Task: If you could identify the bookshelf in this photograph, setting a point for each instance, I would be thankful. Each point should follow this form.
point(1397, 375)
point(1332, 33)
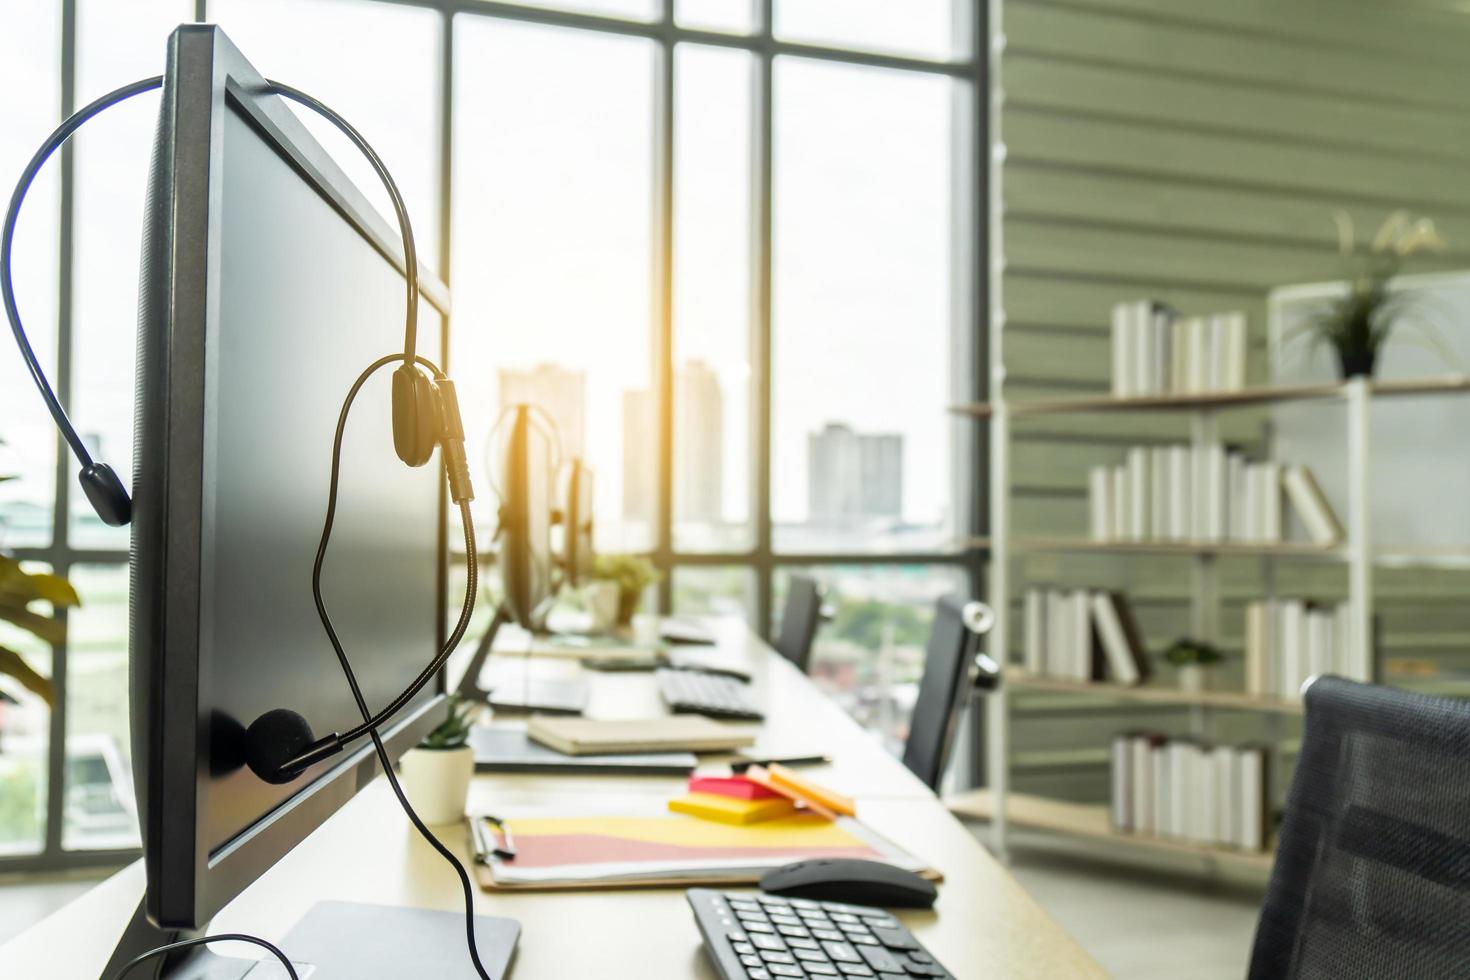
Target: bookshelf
point(1356, 553)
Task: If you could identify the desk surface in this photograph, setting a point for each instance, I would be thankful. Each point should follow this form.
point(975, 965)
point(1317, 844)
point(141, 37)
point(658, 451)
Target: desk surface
point(984, 924)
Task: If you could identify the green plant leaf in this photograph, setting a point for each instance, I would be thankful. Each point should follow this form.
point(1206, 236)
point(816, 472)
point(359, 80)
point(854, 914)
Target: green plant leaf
point(15, 665)
point(50, 630)
point(39, 587)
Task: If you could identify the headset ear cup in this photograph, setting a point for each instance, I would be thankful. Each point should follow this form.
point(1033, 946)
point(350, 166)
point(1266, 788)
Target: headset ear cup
point(415, 415)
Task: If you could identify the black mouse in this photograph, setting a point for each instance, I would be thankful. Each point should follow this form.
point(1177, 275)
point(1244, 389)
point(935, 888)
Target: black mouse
point(851, 880)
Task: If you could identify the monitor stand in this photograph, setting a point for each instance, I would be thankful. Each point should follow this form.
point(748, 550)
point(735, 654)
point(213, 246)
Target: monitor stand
point(336, 941)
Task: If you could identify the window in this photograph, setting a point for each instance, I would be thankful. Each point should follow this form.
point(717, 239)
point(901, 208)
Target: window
point(712, 278)
point(810, 269)
point(554, 157)
point(30, 62)
point(861, 318)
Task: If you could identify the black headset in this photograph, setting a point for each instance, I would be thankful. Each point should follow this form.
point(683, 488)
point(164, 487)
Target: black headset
point(280, 744)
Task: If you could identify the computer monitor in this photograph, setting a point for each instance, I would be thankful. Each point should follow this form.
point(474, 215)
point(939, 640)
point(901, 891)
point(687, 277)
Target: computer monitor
point(576, 524)
point(268, 283)
point(526, 486)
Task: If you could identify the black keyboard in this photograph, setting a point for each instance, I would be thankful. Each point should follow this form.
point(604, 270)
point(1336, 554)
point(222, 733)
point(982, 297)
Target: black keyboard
point(699, 693)
point(762, 937)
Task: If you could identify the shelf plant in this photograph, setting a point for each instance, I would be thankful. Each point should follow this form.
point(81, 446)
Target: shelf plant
point(1193, 658)
point(1358, 323)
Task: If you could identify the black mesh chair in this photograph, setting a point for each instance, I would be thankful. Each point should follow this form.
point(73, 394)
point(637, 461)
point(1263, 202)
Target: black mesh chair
point(799, 620)
point(951, 667)
point(1372, 872)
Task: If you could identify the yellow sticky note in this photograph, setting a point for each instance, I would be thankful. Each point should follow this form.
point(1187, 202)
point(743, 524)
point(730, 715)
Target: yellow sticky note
point(726, 809)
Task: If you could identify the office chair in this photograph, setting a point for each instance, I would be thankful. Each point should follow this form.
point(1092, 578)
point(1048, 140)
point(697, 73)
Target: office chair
point(799, 622)
point(951, 667)
point(1372, 873)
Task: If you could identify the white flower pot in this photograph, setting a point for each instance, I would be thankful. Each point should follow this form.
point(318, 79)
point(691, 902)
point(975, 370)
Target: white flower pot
point(437, 782)
point(1194, 678)
point(602, 603)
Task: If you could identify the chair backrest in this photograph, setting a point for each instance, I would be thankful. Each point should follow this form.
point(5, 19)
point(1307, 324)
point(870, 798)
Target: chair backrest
point(948, 657)
point(1372, 872)
point(799, 621)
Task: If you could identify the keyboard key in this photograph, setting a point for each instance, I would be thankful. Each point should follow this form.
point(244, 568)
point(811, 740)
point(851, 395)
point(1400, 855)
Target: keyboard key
point(755, 925)
point(895, 938)
point(743, 949)
point(801, 942)
point(843, 917)
point(762, 941)
point(793, 931)
point(880, 959)
point(735, 936)
point(809, 955)
point(782, 970)
point(782, 919)
point(777, 956)
point(805, 903)
point(866, 939)
point(771, 900)
point(828, 934)
point(842, 953)
point(854, 970)
point(820, 969)
point(878, 919)
point(758, 974)
point(754, 962)
point(893, 976)
point(924, 969)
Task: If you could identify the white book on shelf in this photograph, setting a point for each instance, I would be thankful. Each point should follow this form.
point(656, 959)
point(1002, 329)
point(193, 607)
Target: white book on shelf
point(1119, 500)
point(1179, 493)
point(1311, 505)
point(1215, 364)
point(1123, 354)
point(1224, 772)
point(1235, 494)
point(1250, 529)
point(1162, 320)
point(1179, 788)
point(1292, 649)
point(1348, 662)
point(1141, 747)
point(1270, 492)
point(1138, 488)
point(1139, 317)
point(1251, 797)
point(1199, 354)
point(1322, 646)
point(1237, 351)
point(1100, 503)
point(1159, 756)
point(1198, 501)
point(1054, 653)
point(1122, 783)
point(1033, 655)
point(1079, 620)
point(1261, 675)
point(1112, 633)
point(1158, 496)
point(1204, 795)
point(1214, 493)
point(1179, 356)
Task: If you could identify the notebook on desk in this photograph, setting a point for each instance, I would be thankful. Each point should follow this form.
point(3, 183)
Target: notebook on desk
point(512, 750)
point(675, 733)
point(674, 850)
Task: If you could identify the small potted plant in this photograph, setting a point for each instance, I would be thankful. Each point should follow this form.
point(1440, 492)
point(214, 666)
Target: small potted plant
point(632, 575)
point(436, 774)
point(1358, 323)
point(1193, 658)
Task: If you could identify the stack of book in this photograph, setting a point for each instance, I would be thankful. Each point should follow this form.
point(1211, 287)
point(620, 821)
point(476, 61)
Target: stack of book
point(1187, 790)
point(1288, 641)
point(1083, 635)
point(1158, 352)
point(1204, 493)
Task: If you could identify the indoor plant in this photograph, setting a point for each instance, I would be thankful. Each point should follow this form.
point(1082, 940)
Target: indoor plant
point(1193, 658)
point(632, 574)
point(436, 773)
point(19, 591)
point(1357, 323)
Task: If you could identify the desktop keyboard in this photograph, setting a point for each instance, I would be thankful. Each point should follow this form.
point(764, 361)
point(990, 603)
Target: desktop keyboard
point(714, 695)
point(763, 937)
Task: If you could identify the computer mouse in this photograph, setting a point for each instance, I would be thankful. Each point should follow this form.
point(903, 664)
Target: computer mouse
point(851, 880)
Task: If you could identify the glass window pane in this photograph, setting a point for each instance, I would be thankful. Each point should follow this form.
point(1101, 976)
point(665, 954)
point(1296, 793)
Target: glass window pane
point(870, 657)
point(627, 9)
point(375, 63)
point(25, 723)
point(552, 251)
point(730, 16)
point(100, 810)
point(861, 314)
point(721, 591)
point(116, 44)
point(923, 28)
point(30, 62)
point(712, 377)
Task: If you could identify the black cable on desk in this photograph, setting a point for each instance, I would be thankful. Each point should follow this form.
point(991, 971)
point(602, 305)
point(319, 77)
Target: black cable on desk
point(231, 937)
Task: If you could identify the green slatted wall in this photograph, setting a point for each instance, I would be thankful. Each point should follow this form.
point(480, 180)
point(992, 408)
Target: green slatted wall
point(1192, 151)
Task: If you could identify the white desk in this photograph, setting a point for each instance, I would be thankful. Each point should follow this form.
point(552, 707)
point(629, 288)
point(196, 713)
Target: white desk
point(984, 925)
